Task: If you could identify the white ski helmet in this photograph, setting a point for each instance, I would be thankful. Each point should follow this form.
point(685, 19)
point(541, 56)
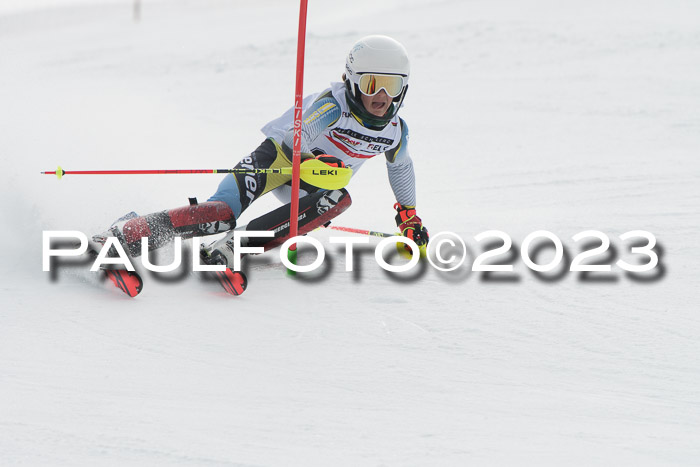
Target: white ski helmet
point(375, 63)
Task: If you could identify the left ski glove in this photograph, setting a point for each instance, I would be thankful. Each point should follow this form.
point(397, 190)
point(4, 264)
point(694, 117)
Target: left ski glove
point(331, 161)
point(410, 224)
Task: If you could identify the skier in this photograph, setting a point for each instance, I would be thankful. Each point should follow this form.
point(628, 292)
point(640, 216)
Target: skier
point(343, 126)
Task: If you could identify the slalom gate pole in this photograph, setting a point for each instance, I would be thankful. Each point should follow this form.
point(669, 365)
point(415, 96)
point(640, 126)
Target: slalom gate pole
point(296, 149)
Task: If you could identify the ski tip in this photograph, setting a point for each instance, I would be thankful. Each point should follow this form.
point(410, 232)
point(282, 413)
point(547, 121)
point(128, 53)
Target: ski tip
point(233, 282)
point(406, 251)
point(127, 281)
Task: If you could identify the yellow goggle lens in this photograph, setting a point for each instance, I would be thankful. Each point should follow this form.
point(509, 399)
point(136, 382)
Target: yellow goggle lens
point(371, 84)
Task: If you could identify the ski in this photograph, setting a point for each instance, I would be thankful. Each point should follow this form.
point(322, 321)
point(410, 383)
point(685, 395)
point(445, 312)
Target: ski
point(233, 282)
point(128, 282)
point(316, 209)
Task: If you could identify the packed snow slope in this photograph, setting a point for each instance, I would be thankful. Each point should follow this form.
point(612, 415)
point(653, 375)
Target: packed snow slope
point(524, 116)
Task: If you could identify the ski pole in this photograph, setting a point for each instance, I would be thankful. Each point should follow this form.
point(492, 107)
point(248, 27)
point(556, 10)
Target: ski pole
point(403, 249)
point(313, 172)
point(361, 231)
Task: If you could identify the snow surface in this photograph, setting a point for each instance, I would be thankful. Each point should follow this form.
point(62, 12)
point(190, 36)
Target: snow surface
point(564, 116)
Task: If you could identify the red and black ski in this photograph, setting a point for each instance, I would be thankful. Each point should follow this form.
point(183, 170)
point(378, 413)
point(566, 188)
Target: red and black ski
point(128, 282)
point(233, 282)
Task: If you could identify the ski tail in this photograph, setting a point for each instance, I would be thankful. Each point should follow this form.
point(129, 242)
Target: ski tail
point(128, 282)
point(233, 282)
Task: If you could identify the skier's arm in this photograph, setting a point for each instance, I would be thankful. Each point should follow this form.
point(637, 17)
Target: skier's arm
point(400, 168)
point(403, 182)
point(323, 113)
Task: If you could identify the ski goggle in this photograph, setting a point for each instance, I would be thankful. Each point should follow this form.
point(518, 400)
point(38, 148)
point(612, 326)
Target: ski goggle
point(371, 83)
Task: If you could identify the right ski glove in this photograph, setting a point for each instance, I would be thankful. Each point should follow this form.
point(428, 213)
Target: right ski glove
point(410, 224)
